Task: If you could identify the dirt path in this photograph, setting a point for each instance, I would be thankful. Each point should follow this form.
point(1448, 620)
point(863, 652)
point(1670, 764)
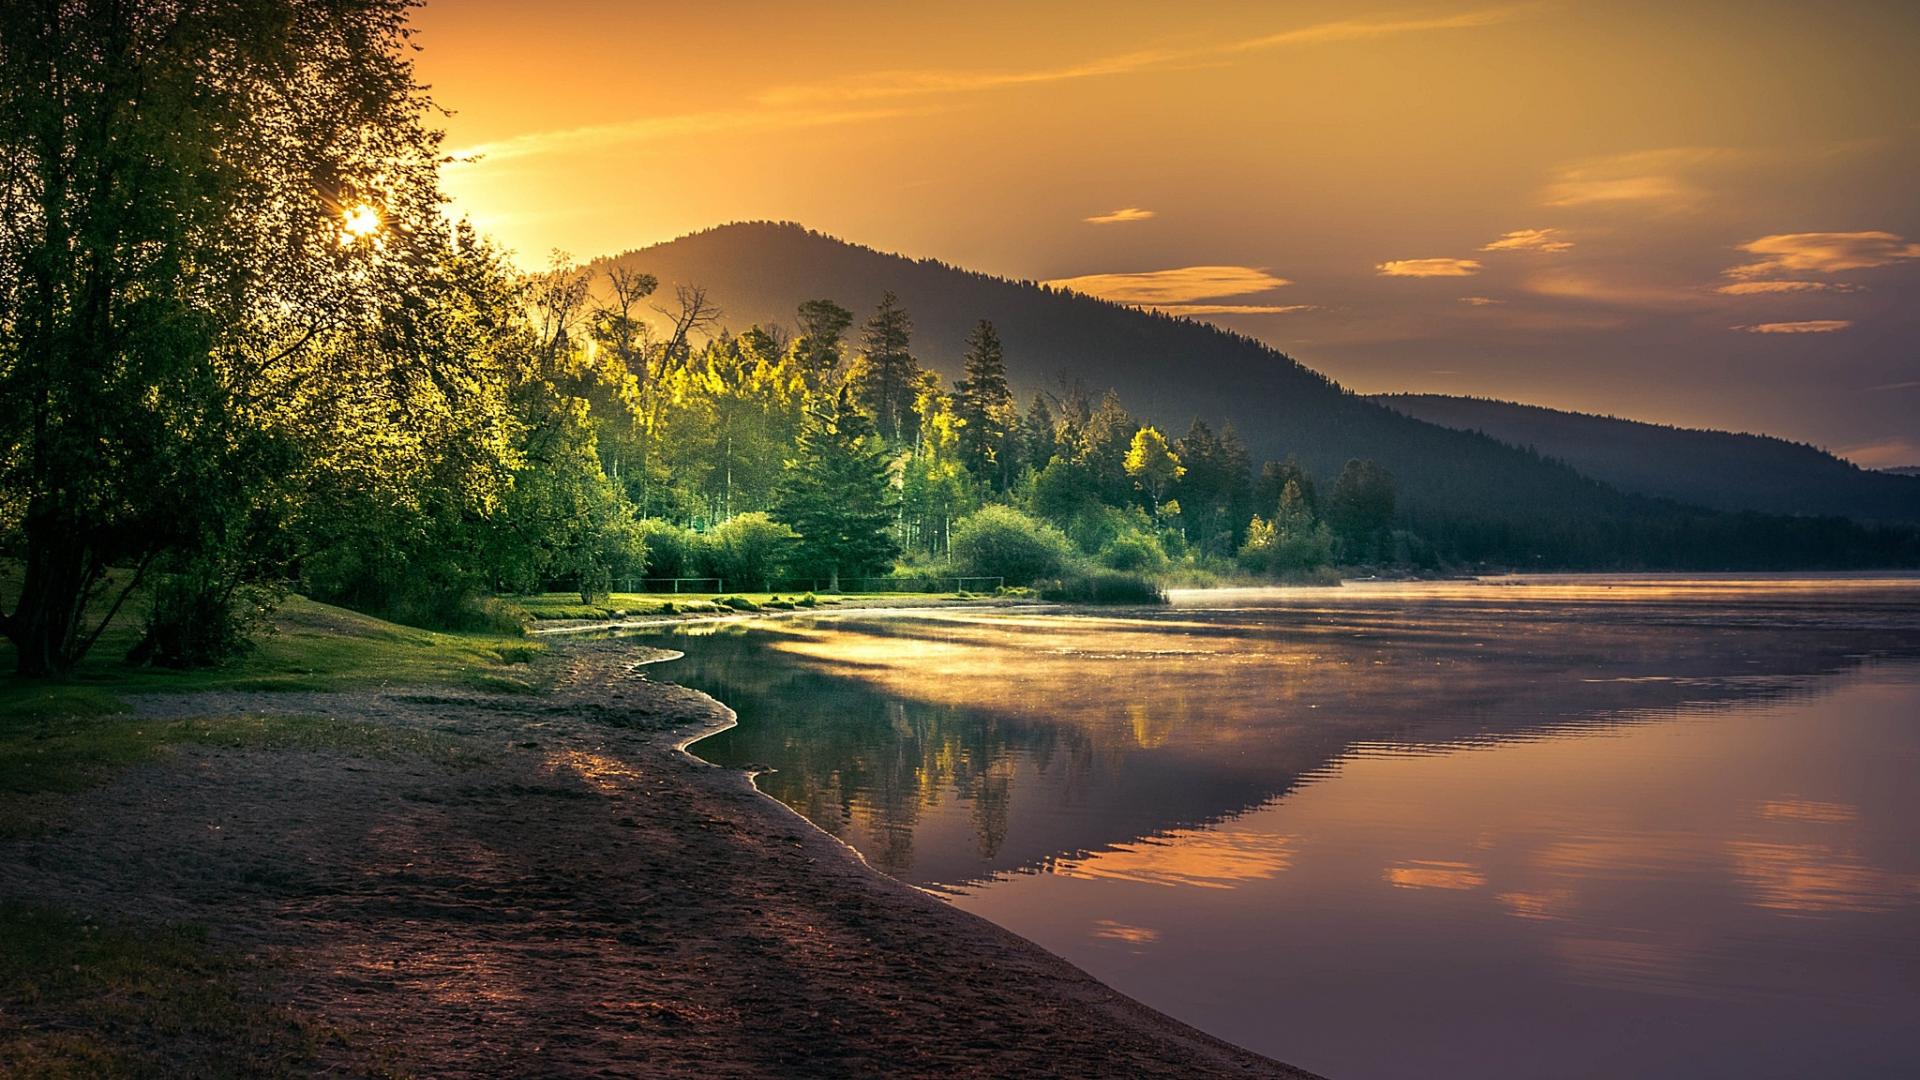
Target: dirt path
point(588, 901)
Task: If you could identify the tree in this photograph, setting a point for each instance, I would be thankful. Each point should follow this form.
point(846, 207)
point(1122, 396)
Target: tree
point(818, 346)
point(989, 439)
point(999, 541)
point(837, 494)
point(887, 377)
point(191, 195)
point(1272, 485)
point(1360, 507)
point(1152, 464)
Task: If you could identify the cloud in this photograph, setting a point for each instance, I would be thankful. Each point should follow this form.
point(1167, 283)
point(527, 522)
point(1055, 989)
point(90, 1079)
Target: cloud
point(1823, 253)
point(1810, 326)
point(1182, 286)
point(1660, 189)
point(1230, 309)
point(1480, 301)
point(601, 136)
point(893, 84)
point(1124, 214)
point(1894, 386)
point(1883, 453)
point(1428, 268)
point(1530, 240)
point(1754, 288)
point(1572, 285)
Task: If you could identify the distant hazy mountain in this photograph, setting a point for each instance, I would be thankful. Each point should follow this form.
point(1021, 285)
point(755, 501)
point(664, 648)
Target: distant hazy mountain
point(1706, 468)
point(1473, 496)
point(1903, 470)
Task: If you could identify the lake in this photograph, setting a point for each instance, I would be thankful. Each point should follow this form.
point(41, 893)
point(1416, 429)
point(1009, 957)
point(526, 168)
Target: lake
point(1568, 827)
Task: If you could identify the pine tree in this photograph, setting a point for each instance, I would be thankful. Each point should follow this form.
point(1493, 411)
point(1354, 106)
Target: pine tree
point(818, 346)
point(989, 441)
point(887, 378)
point(838, 496)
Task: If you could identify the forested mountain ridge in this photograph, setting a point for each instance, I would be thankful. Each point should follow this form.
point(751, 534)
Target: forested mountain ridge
point(1468, 493)
point(1716, 469)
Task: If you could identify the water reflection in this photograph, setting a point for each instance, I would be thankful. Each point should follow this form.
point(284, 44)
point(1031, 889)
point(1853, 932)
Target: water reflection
point(1572, 828)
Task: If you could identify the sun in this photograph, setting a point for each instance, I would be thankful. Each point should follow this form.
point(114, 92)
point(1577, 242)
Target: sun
point(361, 221)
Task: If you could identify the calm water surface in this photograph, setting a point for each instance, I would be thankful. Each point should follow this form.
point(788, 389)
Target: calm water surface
point(1542, 828)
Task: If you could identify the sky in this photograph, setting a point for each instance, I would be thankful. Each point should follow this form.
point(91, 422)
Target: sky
point(1692, 213)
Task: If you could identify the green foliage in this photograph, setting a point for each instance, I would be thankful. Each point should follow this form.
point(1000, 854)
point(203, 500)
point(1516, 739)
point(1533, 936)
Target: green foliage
point(165, 275)
point(1360, 510)
point(1134, 551)
point(886, 377)
point(999, 541)
point(1102, 586)
point(990, 444)
point(750, 549)
point(837, 496)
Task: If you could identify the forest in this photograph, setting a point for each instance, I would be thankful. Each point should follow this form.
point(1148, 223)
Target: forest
point(243, 352)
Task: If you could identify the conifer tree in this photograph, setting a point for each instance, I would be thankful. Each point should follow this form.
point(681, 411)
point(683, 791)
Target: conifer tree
point(837, 494)
point(887, 378)
point(818, 346)
point(989, 441)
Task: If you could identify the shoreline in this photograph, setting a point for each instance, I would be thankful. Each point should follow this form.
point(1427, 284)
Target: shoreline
point(585, 898)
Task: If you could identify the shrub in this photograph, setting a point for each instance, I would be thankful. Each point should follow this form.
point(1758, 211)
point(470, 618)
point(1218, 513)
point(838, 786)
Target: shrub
point(671, 550)
point(1104, 587)
point(738, 603)
point(999, 541)
point(1134, 551)
point(748, 550)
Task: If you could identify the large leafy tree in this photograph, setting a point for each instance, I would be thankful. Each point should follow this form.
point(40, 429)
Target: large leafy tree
point(191, 196)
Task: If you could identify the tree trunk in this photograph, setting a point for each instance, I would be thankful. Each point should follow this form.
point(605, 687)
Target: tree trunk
point(47, 623)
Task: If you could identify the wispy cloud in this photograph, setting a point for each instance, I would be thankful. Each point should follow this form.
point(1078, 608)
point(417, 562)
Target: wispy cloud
point(894, 84)
point(600, 136)
point(1530, 240)
point(1809, 326)
point(824, 103)
point(1823, 253)
point(1883, 453)
point(1754, 288)
point(1185, 285)
point(1655, 189)
point(1893, 386)
point(1655, 178)
point(1116, 217)
point(1480, 301)
point(1230, 309)
point(1428, 268)
point(1589, 288)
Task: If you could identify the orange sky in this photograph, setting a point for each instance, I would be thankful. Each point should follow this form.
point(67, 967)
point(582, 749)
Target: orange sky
point(1695, 213)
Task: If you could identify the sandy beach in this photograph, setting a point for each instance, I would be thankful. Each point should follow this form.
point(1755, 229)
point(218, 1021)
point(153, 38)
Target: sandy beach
point(546, 885)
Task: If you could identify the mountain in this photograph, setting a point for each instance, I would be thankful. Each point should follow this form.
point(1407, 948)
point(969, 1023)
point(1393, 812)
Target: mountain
point(1715, 469)
point(1471, 496)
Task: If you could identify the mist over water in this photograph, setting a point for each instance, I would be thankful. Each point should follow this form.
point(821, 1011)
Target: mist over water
point(1569, 827)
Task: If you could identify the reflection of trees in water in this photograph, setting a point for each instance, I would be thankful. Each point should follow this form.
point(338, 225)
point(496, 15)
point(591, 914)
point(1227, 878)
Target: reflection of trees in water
point(1111, 747)
point(848, 756)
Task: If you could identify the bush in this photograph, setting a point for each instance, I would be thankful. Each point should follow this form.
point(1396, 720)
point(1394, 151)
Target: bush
point(1134, 551)
point(1104, 587)
point(671, 550)
point(748, 550)
point(999, 541)
point(738, 603)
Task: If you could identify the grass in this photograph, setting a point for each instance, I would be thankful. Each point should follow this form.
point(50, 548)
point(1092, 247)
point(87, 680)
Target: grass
point(312, 647)
point(102, 1001)
point(553, 606)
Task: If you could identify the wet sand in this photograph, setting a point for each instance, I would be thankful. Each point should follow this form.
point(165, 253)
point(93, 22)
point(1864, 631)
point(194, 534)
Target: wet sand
point(588, 900)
